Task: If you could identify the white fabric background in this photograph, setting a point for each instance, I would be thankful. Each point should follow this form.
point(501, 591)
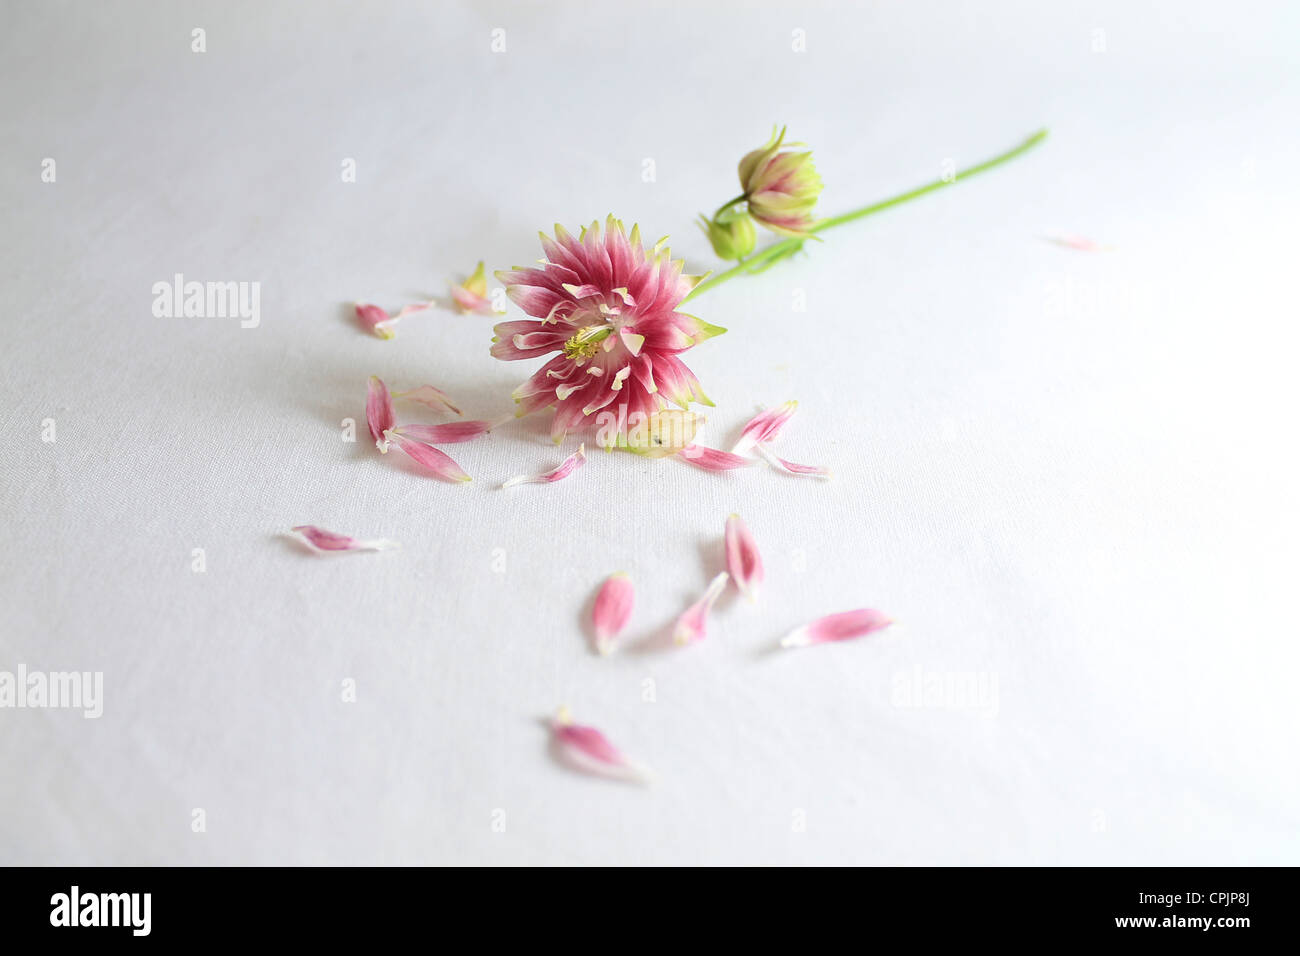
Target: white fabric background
point(1071, 473)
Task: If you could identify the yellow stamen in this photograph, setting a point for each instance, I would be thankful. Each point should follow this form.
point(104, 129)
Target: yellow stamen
point(584, 342)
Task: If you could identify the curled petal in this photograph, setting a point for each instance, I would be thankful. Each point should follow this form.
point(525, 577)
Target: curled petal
point(710, 459)
point(790, 467)
point(564, 470)
point(471, 295)
point(744, 563)
point(331, 542)
point(380, 323)
point(406, 310)
point(691, 625)
point(632, 340)
point(375, 320)
point(447, 434)
point(436, 461)
point(379, 412)
point(590, 750)
point(429, 396)
point(612, 610)
point(837, 627)
point(764, 426)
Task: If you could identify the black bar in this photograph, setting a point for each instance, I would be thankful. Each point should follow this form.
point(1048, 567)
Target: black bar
point(333, 906)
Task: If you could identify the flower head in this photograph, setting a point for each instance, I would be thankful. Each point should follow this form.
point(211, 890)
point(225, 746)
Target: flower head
point(781, 187)
point(608, 307)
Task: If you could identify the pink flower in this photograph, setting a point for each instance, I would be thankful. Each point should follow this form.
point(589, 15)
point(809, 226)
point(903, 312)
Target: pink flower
point(781, 187)
point(607, 306)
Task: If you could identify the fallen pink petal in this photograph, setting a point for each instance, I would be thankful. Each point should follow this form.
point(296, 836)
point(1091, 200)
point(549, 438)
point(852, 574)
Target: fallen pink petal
point(448, 434)
point(331, 542)
point(612, 610)
point(692, 625)
point(376, 321)
point(471, 295)
point(744, 563)
point(1081, 243)
point(710, 459)
point(431, 458)
point(790, 467)
point(428, 396)
point(564, 470)
point(590, 750)
point(765, 426)
point(837, 627)
point(379, 412)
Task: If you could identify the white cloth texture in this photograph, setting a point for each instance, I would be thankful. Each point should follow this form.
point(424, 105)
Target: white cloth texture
point(1069, 476)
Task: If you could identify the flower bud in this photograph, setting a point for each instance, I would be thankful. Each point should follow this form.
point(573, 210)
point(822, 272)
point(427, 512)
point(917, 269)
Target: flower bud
point(781, 187)
point(731, 234)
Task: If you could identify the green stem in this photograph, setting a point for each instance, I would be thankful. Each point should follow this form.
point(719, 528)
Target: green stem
point(728, 204)
point(789, 246)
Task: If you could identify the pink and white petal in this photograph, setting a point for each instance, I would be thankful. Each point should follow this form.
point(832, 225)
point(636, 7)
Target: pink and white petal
point(331, 542)
point(692, 624)
point(582, 291)
point(538, 342)
point(428, 396)
point(406, 310)
point(535, 300)
point(790, 467)
point(837, 627)
point(644, 370)
point(1081, 243)
point(376, 321)
point(612, 610)
point(562, 471)
point(632, 340)
point(438, 462)
point(379, 412)
point(542, 382)
point(602, 398)
point(468, 302)
point(589, 750)
point(744, 563)
point(448, 434)
point(568, 417)
point(765, 426)
point(710, 459)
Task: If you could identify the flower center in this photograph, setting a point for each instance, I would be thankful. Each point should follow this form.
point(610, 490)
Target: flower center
point(583, 343)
